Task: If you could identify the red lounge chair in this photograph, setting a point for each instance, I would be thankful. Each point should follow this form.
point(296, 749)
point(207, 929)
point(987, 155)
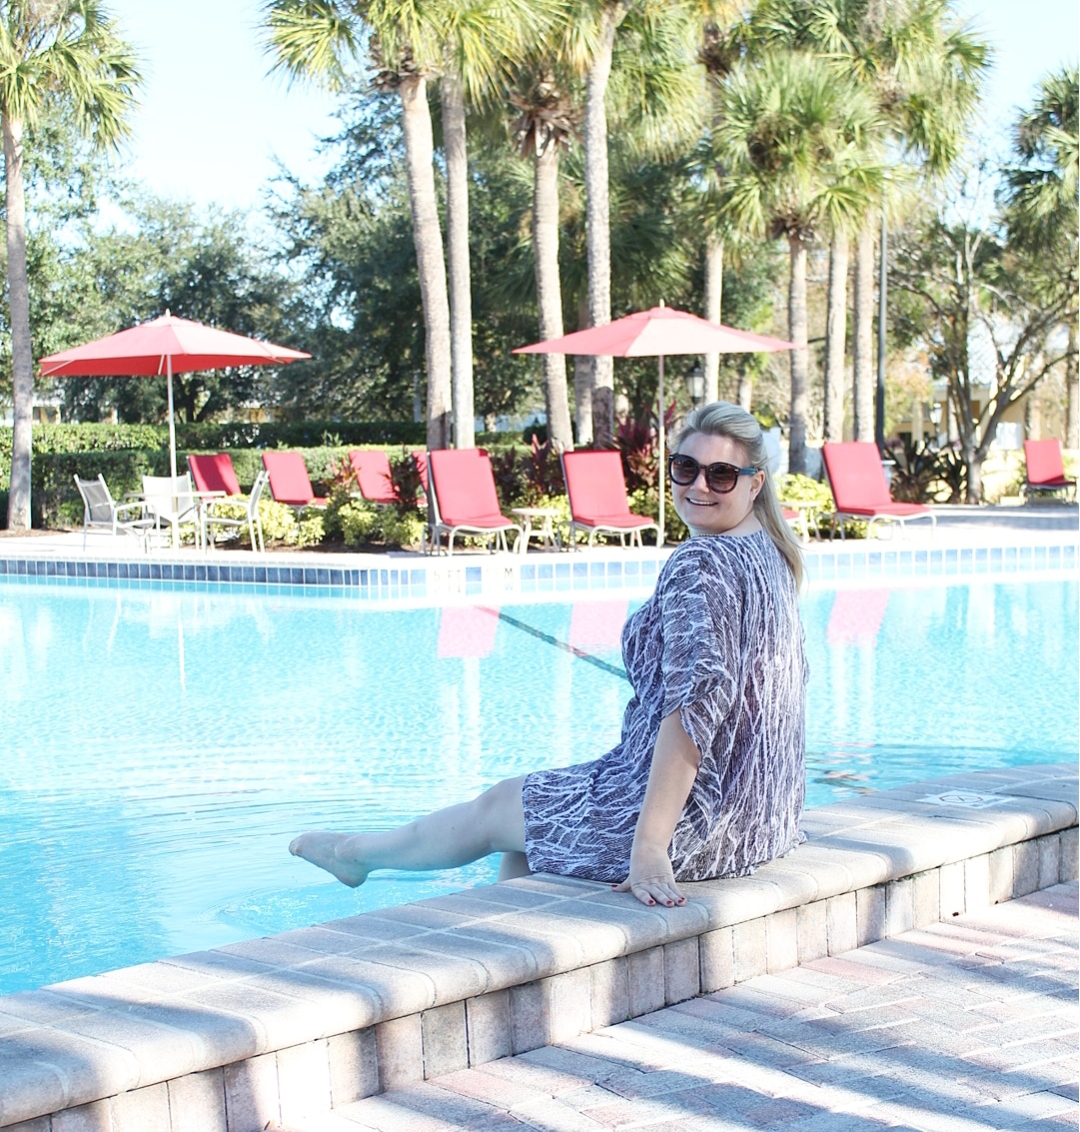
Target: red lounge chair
point(861, 491)
point(289, 483)
point(372, 468)
point(214, 473)
point(597, 491)
point(1045, 469)
point(217, 474)
point(462, 498)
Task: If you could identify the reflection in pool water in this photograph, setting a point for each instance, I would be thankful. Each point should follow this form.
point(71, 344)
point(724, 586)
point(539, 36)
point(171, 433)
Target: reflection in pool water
point(161, 748)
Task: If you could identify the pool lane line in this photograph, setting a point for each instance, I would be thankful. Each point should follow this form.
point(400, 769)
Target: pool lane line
point(614, 669)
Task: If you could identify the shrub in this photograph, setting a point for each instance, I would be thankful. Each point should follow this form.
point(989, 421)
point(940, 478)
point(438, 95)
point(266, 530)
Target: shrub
point(356, 520)
point(362, 522)
point(310, 531)
point(646, 501)
point(405, 477)
point(402, 530)
point(524, 478)
point(794, 487)
point(278, 521)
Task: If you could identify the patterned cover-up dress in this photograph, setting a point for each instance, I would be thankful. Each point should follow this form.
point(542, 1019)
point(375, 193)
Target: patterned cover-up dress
point(721, 641)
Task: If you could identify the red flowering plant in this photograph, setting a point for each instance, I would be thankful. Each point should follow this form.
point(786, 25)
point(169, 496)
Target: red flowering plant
point(639, 445)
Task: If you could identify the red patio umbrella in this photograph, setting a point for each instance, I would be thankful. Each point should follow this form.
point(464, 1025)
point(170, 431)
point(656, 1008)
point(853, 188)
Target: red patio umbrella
point(165, 345)
point(656, 333)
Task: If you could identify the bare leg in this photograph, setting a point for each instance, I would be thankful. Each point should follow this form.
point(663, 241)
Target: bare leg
point(494, 822)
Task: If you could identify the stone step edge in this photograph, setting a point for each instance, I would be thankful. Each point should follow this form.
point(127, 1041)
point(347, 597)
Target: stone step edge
point(778, 921)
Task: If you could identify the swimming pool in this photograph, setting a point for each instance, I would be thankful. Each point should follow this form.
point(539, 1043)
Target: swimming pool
point(160, 747)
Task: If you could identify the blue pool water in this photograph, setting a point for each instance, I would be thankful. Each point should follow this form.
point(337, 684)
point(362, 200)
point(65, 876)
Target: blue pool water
point(158, 749)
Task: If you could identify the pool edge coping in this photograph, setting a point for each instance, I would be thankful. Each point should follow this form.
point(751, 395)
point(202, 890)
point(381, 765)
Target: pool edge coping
point(453, 980)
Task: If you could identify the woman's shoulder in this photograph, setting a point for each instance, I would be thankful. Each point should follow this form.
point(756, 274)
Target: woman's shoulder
point(732, 563)
point(707, 551)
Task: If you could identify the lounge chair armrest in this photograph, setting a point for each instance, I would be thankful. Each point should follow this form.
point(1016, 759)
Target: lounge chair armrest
point(133, 505)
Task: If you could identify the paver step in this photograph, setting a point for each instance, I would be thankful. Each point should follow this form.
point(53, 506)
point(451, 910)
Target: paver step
point(966, 1025)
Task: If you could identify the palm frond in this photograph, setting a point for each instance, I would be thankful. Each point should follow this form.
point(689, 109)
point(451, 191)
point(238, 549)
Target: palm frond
point(311, 38)
point(71, 51)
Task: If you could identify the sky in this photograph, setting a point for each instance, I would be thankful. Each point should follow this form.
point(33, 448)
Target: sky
point(213, 122)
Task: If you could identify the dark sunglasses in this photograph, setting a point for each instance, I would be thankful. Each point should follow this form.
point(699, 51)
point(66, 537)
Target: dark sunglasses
point(721, 478)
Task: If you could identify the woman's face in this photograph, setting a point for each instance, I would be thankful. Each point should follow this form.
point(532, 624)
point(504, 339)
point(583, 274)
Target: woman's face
point(708, 512)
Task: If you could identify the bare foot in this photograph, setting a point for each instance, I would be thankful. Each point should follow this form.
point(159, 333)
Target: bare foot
point(334, 852)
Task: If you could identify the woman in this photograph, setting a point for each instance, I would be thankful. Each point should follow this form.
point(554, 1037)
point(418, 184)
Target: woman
point(708, 778)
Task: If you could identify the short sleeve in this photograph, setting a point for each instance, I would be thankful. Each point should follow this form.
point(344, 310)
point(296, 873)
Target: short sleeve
point(701, 615)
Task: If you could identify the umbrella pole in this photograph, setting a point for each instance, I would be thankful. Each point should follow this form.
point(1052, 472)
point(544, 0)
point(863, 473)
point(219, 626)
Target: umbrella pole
point(172, 421)
point(661, 537)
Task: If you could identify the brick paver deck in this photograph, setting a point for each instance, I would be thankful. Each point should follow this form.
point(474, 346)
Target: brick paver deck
point(961, 1026)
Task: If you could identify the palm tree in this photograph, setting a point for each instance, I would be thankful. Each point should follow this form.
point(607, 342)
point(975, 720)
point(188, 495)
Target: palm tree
point(722, 46)
point(835, 337)
point(412, 42)
point(482, 39)
point(794, 141)
point(455, 147)
point(1040, 197)
point(69, 51)
point(922, 67)
point(598, 207)
point(547, 123)
point(314, 38)
point(658, 99)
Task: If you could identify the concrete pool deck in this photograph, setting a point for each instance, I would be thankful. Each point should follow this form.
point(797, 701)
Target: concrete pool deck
point(967, 1024)
point(957, 525)
point(994, 544)
point(286, 1029)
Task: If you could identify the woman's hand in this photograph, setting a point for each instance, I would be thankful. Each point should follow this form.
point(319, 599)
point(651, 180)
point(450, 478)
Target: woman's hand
point(674, 767)
point(651, 879)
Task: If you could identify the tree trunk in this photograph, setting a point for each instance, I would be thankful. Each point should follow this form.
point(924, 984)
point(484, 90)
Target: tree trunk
point(583, 379)
point(22, 366)
point(457, 249)
point(714, 293)
point(799, 356)
point(427, 236)
point(1032, 417)
point(864, 334)
point(836, 338)
point(545, 234)
point(1072, 392)
point(746, 390)
point(598, 218)
point(974, 463)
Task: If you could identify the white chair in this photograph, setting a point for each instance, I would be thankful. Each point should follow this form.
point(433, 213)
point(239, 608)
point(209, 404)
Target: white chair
point(251, 518)
point(103, 513)
point(173, 502)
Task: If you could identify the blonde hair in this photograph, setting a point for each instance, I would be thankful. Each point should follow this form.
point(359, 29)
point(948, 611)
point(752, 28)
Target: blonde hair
point(720, 418)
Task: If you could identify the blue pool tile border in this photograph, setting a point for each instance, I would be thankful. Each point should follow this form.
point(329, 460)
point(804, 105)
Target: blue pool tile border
point(378, 583)
point(537, 576)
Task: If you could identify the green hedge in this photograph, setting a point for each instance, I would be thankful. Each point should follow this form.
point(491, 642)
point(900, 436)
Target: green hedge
point(299, 434)
point(124, 453)
point(56, 500)
point(211, 437)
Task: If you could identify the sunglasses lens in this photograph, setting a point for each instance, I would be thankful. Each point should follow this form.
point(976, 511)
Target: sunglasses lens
point(684, 469)
point(721, 477)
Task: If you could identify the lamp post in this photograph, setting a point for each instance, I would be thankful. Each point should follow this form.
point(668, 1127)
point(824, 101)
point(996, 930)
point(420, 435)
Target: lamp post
point(883, 288)
point(695, 384)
